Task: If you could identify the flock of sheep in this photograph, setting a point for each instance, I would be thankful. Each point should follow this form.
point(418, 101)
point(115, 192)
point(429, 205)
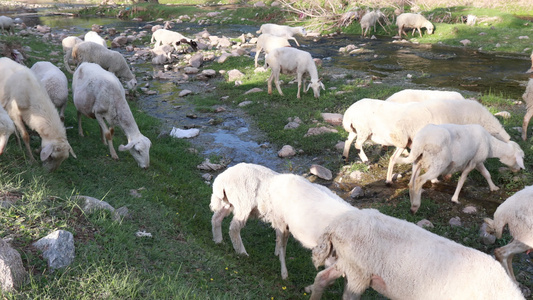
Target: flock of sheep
point(444, 132)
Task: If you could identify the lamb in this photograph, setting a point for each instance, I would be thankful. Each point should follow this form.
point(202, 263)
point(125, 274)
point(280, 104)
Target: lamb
point(528, 98)
point(7, 24)
point(403, 261)
point(110, 60)
point(26, 102)
point(395, 124)
point(268, 42)
point(415, 21)
point(517, 213)
point(410, 95)
point(286, 201)
point(98, 94)
point(448, 148)
point(6, 129)
point(369, 20)
point(93, 36)
point(168, 37)
point(283, 31)
point(68, 43)
point(55, 82)
point(293, 60)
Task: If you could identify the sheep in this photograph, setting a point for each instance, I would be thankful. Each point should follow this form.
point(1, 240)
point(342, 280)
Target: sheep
point(369, 20)
point(415, 21)
point(283, 31)
point(410, 95)
point(98, 94)
point(528, 98)
point(395, 124)
point(448, 148)
point(531, 69)
point(26, 102)
point(517, 213)
point(268, 42)
point(168, 37)
point(291, 59)
point(55, 82)
point(93, 36)
point(288, 202)
point(6, 128)
point(110, 60)
point(7, 24)
point(403, 261)
point(68, 43)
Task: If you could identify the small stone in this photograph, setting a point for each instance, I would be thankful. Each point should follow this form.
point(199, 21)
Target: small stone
point(121, 213)
point(207, 176)
point(455, 221)
point(220, 109)
point(319, 130)
point(333, 119)
point(340, 146)
point(504, 114)
point(291, 125)
point(254, 90)
point(184, 93)
point(470, 210)
point(425, 223)
point(356, 175)
point(357, 192)
point(465, 42)
point(321, 172)
point(486, 238)
point(286, 151)
point(244, 103)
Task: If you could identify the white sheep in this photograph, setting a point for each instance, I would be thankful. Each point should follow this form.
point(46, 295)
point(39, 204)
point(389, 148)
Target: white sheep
point(55, 82)
point(411, 95)
point(296, 61)
point(528, 98)
point(27, 102)
point(517, 213)
point(395, 124)
point(369, 19)
point(283, 31)
point(531, 69)
point(110, 60)
point(448, 148)
point(7, 24)
point(415, 21)
point(68, 43)
point(167, 37)
point(93, 36)
point(403, 261)
point(98, 94)
point(268, 42)
point(6, 128)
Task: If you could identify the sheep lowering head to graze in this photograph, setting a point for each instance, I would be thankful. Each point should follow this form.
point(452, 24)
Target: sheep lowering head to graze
point(98, 94)
point(110, 60)
point(68, 43)
point(403, 261)
point(415, 21)
point(55, 82)
point(369, 20)
point(162, 37)
point(6, 128)
point(27, 102)
point(283, 31)
point(448, 148)
point(7, 24)
point(268, 42)
point(293, 60)
point(528, 98)
point(411, 95)
point(517, 213)
point(93, 36)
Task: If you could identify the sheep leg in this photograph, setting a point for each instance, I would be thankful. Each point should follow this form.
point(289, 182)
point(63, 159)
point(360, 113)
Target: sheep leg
point(281, 247)
point(525, 123)
point(351, 136)
point(80, 130)
point(299, 78)
point(216, 222)
point(235, 234)
point(292, 38)
point(392, 162)
point(276, 79)
point(25, 136)
point(323, 279)
point(415, 187)
point(257, 51)
point(362, 137)
point(108, 136)
point(506, 253)
point(460, 183)
point(481, 168)
point(62, 113)
point(419, 31)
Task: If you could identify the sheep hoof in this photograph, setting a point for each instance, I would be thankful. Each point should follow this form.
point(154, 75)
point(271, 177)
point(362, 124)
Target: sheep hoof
point(388, 182)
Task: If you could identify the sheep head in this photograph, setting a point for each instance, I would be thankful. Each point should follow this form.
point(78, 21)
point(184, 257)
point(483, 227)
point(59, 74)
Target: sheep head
point(429, 28)
point(515, 158)
point(131, 84)
point(139, 149)
point(53, 154)
point(316, 87)
point(323, 250)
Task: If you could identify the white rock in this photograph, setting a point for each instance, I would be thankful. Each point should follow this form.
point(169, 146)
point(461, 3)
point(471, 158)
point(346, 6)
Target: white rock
point(184, 133)
point(333, 119)
point(286, 151)
point(321, 172)
point(504, 114)
point(470, 209)
point(357, 192)
point(425, 223)
point(254, 90)
point(184, 93)
point(455, 221)
point(244, 103)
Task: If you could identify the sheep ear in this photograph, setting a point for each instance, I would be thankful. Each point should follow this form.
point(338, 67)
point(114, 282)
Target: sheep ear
point(322, 85)
point(322, 251)
point(126, 147)
point(520, 160)
point(308, 86)
point(46, 152)
point(72, 152)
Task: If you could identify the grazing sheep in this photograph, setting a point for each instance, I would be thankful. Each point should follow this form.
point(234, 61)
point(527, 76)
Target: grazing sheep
point(395, 124)
point(369, 20)
point(403, 261)
point(268, 42)
point(26, 102)
point(410, 95)
point(528, 98)
point(93, 36)
point(448, 148)
point(68, 43)
point(110, 60)
point(293, 60)
point(6, 128)
point(55, 82)
point(7, 24)
point(517, 213)
point(283, 31)
point(98, 94)
point(415, 21)
point(167, 37)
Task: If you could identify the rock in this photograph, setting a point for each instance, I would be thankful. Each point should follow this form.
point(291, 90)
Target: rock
point(275, 4)
point(12, 272)
point(207, 176)
point(425, 223)
point(259, 4)
point(184, 93)
point(212, 14)
point(209, 166)
point(523, 37)
point(184, 133)
point(111, 31)
point(486, 238)
point(223, 42)
point(42, 28)
point(455, 221)
point(234, 75)
point(119, 41)
point(223, 58)
point(96, 28)
point(504, 114)
point(340, 146)
point(333, 119)
point(319, 130)
point(220, 109)
point(286, 151)
point(357, 192)
point(470, 210)
point(356, 175)
point(196, 60)
point(209, 73)
point(291, 125)
point(244, 103)
point(321, 172)
point(254, 90)
point(121, 213)
point(90, 204)
point(191, 70)
point(465, 42)
point(58, 248)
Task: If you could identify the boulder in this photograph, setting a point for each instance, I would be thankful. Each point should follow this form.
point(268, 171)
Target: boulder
point(286, 151)
point(58, 248)
point(321, 172)
point(12, 272)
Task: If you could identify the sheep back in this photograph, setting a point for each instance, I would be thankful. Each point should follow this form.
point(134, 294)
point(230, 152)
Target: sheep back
point(411, 95)
point(517, 212)
point(55, 82)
